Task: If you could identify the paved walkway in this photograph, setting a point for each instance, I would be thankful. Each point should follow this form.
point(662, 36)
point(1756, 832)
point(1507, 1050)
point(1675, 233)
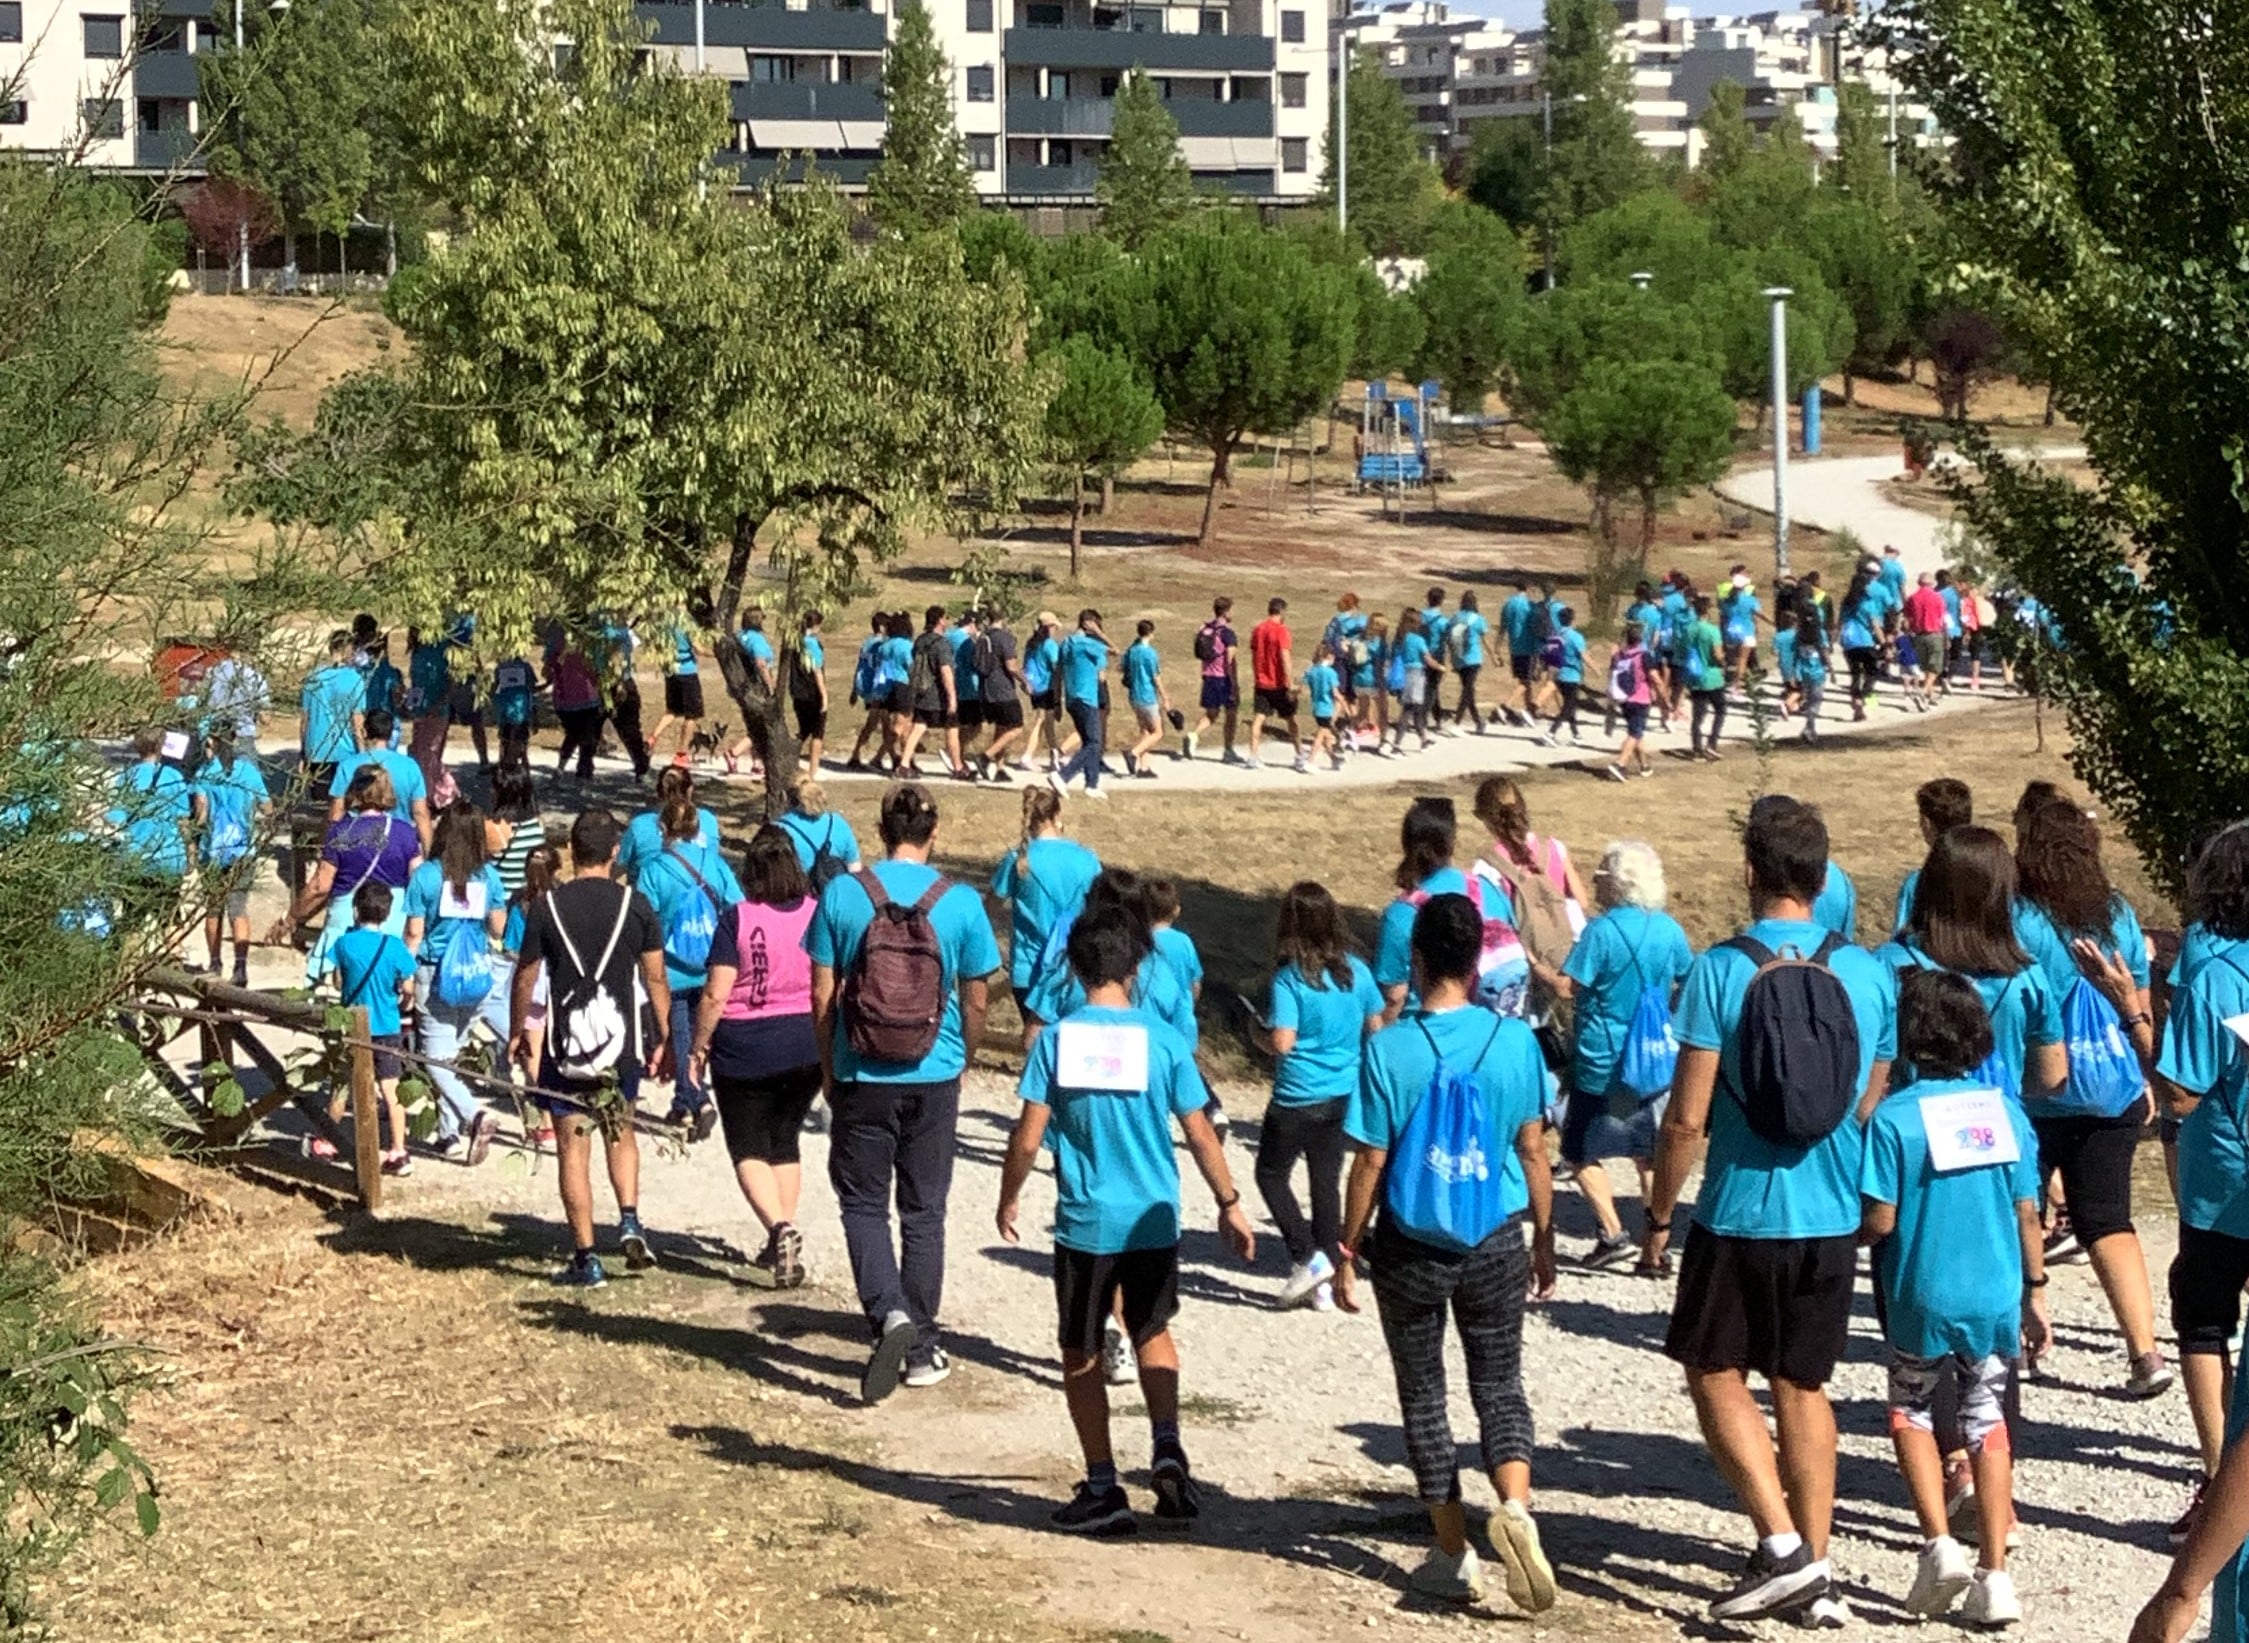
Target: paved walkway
point(1839, 492)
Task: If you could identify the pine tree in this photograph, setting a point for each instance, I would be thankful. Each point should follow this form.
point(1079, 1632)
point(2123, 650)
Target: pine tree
point(1145, 185)
point(1390, 191)
point(922, 181)
point(1597, 157)
point(1726, 138)
point(1862, 150)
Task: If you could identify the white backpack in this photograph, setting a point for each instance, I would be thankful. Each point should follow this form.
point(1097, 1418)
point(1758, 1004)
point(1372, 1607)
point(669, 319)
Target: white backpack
point(594, 1026)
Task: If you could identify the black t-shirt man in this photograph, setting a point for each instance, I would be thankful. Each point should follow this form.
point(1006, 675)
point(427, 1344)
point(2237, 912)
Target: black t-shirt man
point(585, 910)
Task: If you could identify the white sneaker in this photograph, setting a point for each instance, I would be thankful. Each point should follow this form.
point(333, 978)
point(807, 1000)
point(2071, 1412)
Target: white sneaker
point(1303, 767)
point(1991, 1599)
point(1251, 761)
point(1323, 1298)
point(1454, 729)
point(1117, 1366)
point(1827, 1613)
point(1941, 1576)
point(1094, 793)
point(1306, 1277)
point(1530, 1578)
point(1054, 781)
point(1187, 745)
point(931, 1370)
point(1452, 1579)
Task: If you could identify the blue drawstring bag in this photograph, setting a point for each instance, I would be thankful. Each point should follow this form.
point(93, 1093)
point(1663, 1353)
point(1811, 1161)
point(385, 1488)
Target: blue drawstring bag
point(1651, 1047)
point(464, 969)
point(2104, 1074)
point(1443, 1182)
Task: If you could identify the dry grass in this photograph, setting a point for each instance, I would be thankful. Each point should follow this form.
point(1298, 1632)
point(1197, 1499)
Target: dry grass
point(396, 1431)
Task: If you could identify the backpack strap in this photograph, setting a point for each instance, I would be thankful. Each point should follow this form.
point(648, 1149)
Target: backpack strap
point(927, 903)
point(701, 883)
point(1829, 948)
point(1753, 950)
point(877, 896)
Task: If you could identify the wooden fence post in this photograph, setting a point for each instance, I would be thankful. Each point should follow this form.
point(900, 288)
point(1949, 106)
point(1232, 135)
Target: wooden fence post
point(366, 1113)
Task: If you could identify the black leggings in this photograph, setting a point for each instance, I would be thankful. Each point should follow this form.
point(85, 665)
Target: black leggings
point(1314, 1134)
point(1712, 703)
point(581, 734)
point(1468, 709)
point(1568, 715)
point(1864, 661)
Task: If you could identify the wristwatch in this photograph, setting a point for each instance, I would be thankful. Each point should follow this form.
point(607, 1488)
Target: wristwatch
point(1225, 1204)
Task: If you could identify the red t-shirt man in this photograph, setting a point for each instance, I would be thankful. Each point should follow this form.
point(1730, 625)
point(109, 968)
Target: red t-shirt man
point(1269, 646)
point(1924, 610)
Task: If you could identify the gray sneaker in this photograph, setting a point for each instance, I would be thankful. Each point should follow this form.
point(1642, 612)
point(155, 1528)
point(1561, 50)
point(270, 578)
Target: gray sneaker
point(889, 1359)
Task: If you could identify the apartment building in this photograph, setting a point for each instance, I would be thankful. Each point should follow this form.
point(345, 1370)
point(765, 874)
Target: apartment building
point(103, 79)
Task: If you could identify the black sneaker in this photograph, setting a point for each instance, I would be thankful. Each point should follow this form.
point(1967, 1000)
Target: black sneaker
point(704, 1121)
point(788, 1257)
point(1771, 1585)
point(1178, 1501)
point(888, 1360)
point(1614, 1249)
point(1094, 1511)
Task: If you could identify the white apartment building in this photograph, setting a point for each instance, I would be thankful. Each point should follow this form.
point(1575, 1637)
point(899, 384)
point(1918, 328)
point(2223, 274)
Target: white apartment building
point(1034, 83)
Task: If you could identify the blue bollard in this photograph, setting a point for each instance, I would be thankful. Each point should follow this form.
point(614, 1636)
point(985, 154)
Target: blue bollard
point(1812, 420)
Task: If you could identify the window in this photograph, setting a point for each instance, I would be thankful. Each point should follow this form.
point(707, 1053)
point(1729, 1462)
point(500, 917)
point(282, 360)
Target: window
point(983, 154)
point(11, 24)
point(1293, 90)
point(980, 83)
point(979, 16)
point(151, 114)
point(164, 34)
point(104, 117)
point(1295, 154)
point(1292, 27)
point(105, 36)
point(1041, 14)
point(772, 71)
point(1212, 22)
point(14, 112)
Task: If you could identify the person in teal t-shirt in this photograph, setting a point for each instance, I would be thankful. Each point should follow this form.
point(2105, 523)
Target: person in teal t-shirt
point(1950, 1189)
point(1766, 1284)
point(1144, 689)
point(376, 973)
point(329, 706)
point(1702, 661)
point(151, 810)
point(1323, 695)
point(1324, 1006)
point(1102, 1090)
point(231, 800)
point(1043, 881)
point(1569, 675)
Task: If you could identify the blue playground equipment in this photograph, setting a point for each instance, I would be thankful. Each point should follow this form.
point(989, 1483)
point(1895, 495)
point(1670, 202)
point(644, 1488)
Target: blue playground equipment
point(1394, 437)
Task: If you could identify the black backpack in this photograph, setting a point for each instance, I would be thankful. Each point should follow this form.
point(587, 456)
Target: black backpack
point(1206, 642)
point(1798, 1056)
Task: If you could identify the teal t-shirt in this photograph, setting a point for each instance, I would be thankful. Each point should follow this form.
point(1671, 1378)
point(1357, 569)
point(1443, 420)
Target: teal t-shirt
point(1330, 1026)
point(1952, 1273)
point(1838, 905)
point(1905, 899)
point(426, 899)
point(811, 834)
point(1751, 1187)
point(231, 797)
point(1702, 655)
point(331, 695)
point(1571, 671)
point(1141, 665)
point(2205, 1058)
point(965, 944)
point(152, 806)
point(1619, 956)
point(644, 837)
point(1321, 686)
point(1116, 1177)
point(406, 781)
point(1393, 951)
point(665, 879)
point(1515, 618)
point(2025, 1012)
point(1157, 988)
point(370, 966)
point(1470, 627)
point(1044, 883)
point(1083, 658)
point(1400, 1061)
point(1413, 650)
point(2048, 945)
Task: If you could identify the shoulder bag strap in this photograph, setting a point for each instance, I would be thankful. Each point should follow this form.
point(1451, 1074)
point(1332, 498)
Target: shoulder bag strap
point(1752, 949)
point(933, 895)
point(1829, 948)
point(700, 882)
point(616, 931)
point(869, 881)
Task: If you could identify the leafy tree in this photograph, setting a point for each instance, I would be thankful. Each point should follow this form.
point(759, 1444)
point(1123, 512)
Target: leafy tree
point(1738, 317)
point(1102, 416)
point(1470, 300)
point(1144, 186)
point(1597, 158)
point(1966, 350)
point(96, 561)
point(1862, 148)
point(1763, 199)
point(1644, 430)
point(1506, 170)
point(1865, 260)
point(2090, 192)
point(922, 181)
point(1656, 233)
point(1391, 189)
point(294, 117)
point(1727, 141)
point(1244, 333)
point(625, 390)
point(991, 240)
point(220, 210)
point(1564, 331)
point(1387, 327)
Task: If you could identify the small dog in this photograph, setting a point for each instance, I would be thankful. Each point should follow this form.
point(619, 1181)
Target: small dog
point(704, 744)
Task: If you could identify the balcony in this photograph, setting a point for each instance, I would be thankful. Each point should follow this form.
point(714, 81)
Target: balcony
point(770, 28)
point(1120, 49)
point(1052, 181)
point(1093, 116)
point(164, 149)
point(850, 170)
point(166, 74)
point(796, 100)
point(1251, 184)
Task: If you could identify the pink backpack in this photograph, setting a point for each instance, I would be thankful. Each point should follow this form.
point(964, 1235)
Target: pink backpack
point(1503, 968)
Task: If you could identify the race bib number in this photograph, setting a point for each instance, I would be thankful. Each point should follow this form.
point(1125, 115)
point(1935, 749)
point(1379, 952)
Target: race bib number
point(467, 902)
point(1099, 1056)
point(1968, 1130)
point(175, 744)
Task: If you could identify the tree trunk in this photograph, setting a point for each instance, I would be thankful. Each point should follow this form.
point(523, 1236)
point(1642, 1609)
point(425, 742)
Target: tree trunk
point(1077, 520)
point(1108, 494)
point(1850, 387)
point(288, 256)
point(1218, 476)
point(762, 713)
point(390, 250)
point(2049, 404)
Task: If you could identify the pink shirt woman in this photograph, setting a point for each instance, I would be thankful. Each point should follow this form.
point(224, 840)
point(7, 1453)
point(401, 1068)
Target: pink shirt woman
point(764, 1026)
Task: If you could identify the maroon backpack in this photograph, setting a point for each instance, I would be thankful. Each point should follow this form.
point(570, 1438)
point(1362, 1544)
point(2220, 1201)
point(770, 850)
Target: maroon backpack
point(894, 993)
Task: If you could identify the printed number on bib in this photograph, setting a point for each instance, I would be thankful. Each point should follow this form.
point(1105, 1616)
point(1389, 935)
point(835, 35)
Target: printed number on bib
point(1968, 1130)
point(1092, 1056)
point(175, 744)
point(466, 902)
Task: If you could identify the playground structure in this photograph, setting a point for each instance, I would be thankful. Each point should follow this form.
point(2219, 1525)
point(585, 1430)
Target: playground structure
point(1393, 443)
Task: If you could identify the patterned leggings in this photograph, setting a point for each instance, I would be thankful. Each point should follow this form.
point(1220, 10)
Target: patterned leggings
point(1485, 1292)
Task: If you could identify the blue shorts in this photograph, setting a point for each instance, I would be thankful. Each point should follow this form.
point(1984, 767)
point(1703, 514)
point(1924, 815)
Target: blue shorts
point(1219, 693)
point(1635, 718)
point(628, 1085)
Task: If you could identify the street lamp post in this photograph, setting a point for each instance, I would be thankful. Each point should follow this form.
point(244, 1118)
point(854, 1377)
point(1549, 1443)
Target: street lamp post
point(242, 228)
point(1779, 295)
point(1342, 125)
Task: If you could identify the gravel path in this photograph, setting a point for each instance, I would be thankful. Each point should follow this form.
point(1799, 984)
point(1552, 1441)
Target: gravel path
point(1292, 1422)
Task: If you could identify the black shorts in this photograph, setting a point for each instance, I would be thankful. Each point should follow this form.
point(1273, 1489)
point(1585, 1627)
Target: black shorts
point(971, 712)
point(1280, 703)
point(1525, 668)
point(763, 1117)
point(1778, 1306)
point(2206, 1279)
point(1007, 715)
point(1048, 700)
point(897, 699)
point(2094, 1159)
point(319, 778)
point(1324, 721)
point(683, 695)
point(812, 718)
point(387, 1064)
point(936, 718)
point(1218, 693)
point(1086, 1288)
point(1635, 718)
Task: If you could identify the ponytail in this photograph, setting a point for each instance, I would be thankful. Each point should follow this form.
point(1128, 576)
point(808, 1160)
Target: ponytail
point(1042, 807)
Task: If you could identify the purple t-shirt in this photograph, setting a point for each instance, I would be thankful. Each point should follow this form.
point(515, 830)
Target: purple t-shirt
point(370, 848)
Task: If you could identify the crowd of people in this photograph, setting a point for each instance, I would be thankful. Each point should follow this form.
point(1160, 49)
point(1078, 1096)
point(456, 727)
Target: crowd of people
point(1964, 1091)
